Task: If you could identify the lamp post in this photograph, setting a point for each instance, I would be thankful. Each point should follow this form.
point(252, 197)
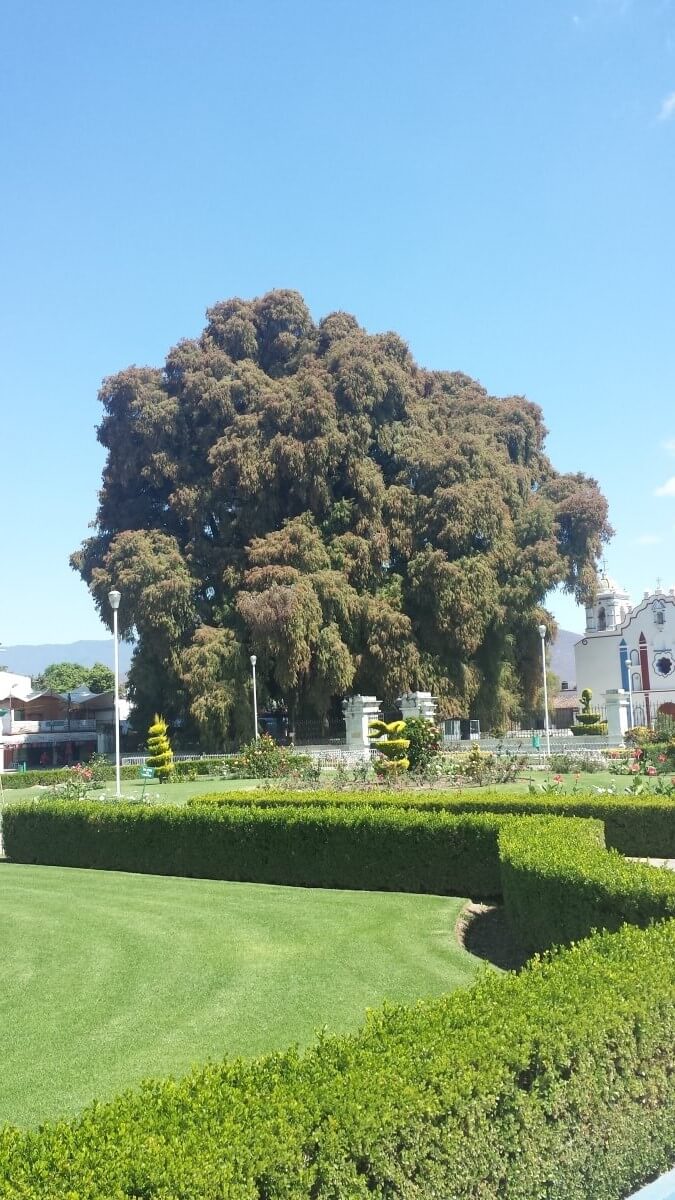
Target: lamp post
point(114, 597)
point(630, 688)
point(542, 635)
point(255, 698)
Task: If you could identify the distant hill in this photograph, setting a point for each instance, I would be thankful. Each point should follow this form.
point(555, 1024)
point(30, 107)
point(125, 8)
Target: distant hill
point(562, 656)
point(31, 660)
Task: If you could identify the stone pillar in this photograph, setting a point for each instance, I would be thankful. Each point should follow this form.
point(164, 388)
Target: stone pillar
point(417, 704)
point(359, 711)
point(618, 713)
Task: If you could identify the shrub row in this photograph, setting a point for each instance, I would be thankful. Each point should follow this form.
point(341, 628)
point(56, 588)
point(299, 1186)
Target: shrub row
point(557, 879)
point(357, 847)
point(559, 883)
point(556, 1083)
point(192, 768)
point(638, 825)
point(48, 776)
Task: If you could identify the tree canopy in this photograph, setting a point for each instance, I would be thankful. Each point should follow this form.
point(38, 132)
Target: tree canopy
point(309, 493)
point(66, 676)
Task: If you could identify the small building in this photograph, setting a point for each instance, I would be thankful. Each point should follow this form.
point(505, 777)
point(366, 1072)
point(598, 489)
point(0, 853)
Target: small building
point(566, 705)
point(54, 729)
point(631, 647)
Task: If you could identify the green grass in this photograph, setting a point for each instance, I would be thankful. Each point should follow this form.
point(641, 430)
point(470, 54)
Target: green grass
point(109, 977)
point(585, 782)
point(178, 793)
point(165, 793)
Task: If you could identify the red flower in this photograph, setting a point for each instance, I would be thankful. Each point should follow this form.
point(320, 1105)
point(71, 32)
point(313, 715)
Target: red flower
point(651, 770)
point(662, 758)
point(634, 768)
point(557, 778)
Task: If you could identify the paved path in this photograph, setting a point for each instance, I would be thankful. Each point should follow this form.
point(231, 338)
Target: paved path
point(668, 863)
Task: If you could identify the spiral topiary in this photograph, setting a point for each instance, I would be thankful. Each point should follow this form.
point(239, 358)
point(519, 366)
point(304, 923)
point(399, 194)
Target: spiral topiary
point(386, 738)
point(160, 754)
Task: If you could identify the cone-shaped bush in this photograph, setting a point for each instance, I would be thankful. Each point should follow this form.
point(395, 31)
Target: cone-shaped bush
point(160, 754)
point(386, 738)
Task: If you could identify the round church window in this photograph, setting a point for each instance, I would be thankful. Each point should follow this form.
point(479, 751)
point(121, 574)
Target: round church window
point(664, 664)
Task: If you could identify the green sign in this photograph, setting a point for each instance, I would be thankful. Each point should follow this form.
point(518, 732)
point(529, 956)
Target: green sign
point(147, 772)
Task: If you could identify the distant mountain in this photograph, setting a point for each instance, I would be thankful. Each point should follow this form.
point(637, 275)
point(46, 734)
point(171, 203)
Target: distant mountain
point(562, 657)
point(31, 660)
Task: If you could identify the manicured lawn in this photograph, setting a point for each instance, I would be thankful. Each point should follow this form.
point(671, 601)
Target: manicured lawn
point(585, 782)
point(110, 977)
point(155, 793)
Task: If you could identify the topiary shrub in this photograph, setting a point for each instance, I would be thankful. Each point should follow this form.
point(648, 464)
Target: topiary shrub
point(160, 754)
point(387, 739)
point(589, 723)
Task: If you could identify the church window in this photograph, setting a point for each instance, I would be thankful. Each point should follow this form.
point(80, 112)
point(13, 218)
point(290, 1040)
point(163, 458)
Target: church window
point(602, 619)
point(634, 658)
point(636, 682)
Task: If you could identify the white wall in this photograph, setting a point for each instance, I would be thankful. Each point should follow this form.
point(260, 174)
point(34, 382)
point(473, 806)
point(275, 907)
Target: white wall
point(20, 685)
point(597, 658)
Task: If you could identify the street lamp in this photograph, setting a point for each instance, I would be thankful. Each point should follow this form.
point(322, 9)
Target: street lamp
point(255, 698)
point(629, 677)
point(114, 597)
point(542, 635)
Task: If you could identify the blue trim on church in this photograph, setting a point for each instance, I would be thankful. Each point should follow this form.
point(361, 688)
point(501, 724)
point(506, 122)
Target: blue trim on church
point(623, 648)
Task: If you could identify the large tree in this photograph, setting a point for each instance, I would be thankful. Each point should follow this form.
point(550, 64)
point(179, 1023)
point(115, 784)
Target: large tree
point(309, 493)
point(66, 676)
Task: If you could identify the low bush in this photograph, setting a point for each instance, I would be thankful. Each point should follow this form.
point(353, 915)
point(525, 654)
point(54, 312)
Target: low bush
point(197, 768)
point(52, 776)
point(481, 767)
point(386, 849)
point(555, 1083)
point(637, 825)
point(264, 759)
point(568, 764)
point(424, 742)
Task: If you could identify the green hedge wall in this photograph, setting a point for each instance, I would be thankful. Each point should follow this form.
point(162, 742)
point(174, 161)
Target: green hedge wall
point(559, 883)
point(641, 826)
point(357, 847)
point(48, 777)
point(193, 768)
point(556, 1084)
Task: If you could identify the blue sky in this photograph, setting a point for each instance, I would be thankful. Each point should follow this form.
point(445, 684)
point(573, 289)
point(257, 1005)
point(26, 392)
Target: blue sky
point(494, 179)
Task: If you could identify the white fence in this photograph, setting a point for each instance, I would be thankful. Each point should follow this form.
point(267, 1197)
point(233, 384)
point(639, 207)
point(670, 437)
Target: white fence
point(139, 760)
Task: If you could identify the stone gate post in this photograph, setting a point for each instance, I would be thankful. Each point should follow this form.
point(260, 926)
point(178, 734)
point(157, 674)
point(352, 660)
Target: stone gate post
point(359, 711)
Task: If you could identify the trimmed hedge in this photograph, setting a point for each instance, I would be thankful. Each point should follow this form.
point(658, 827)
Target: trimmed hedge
point(556, 1084)
point(193, 768)
point(643, 826)
point(385, 849)
point(559, 883)
point(49, 776)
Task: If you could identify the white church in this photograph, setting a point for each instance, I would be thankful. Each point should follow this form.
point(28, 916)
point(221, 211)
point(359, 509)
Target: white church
point(629, 648)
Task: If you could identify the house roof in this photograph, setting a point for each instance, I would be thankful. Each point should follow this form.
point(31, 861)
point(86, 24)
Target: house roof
point(567, 700)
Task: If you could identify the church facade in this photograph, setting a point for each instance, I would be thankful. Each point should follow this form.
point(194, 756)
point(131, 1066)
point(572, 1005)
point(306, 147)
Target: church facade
point(629, 647)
